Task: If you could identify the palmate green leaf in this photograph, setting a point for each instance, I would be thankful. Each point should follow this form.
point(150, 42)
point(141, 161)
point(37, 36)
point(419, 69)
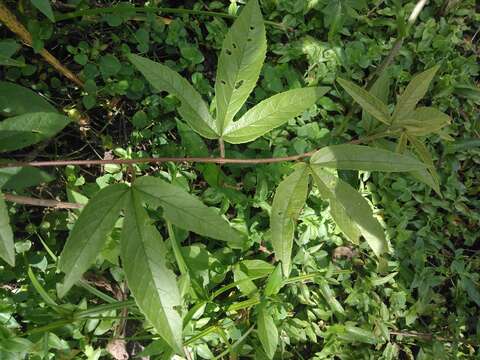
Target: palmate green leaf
point(272, 113)
point(422, 175)
point(18, 100)
point(7, 247)
point(370, 103)
point(89, 233)
point(366, 158)
point(344, 222)
point(288, 201)
point(354, 206)
point(241, 59)
point(45, 8)
point(426, 157)
point(151, 282)
point(381, 90)
point(187, 211)
point(19, 178)
point(193, 108)
point(24, 130)
point(267, 331)
point(423, 121)
point(415, 91)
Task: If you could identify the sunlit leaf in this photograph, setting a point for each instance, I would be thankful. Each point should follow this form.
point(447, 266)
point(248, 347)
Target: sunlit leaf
point(272, 113)
point(193, 108)
point(151, 282)
point(245, 285)
point(267, 331)
point(187, 211)
point(274, 281)
point(354, 206)
point(329, 297)
point(423, 121)
point(381, 90)
point(240, 63)
point(90, 232)
point(366, 158)
point(370, 103)
point(415, 91)
point(289, 200)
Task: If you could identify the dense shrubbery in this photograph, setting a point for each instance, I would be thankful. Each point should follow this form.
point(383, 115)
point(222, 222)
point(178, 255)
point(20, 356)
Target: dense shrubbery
point(366, 248)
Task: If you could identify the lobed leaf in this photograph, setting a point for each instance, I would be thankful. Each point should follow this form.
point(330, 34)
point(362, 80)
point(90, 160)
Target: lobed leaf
point(151, 282)
point(271, 113)
point(349, 201)
point(89, 233)
point(24, 130)
point(187, 211)
point(366, 158)
point(240, 62)
point(370, 103)
point(193, 108)
point(288, 201)
point(415, 91)
point(7, 246)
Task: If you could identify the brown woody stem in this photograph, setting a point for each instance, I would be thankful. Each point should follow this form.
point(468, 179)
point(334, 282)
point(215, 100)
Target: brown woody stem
point(11, 22)
point(41, 202)
point(159, 160)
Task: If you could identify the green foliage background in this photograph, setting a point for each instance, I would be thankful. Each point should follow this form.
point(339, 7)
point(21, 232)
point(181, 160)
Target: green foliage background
point(423, 304)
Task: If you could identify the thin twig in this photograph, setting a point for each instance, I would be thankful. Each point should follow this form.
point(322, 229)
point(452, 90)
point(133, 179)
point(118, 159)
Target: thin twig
point(214, 160)
point(41, 202)
point(159, 160)
point(398, 43)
